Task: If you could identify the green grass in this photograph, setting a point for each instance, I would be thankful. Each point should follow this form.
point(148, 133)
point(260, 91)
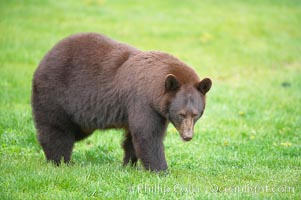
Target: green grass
point(247, 144)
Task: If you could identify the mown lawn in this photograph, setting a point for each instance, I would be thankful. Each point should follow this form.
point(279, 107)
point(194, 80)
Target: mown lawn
point(247, 145)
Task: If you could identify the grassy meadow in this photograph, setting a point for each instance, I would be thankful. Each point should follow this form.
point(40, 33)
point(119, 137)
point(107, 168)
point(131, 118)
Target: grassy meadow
point(246, 146)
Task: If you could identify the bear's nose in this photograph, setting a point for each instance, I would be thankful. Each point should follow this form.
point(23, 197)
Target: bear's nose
point(187, 138)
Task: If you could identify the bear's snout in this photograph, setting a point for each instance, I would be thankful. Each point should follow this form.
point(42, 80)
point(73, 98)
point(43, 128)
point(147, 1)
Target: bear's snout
point(187, 136)
point(186, 129)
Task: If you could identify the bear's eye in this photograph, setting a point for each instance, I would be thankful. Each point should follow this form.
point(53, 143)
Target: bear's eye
point(194, 115)
point(182, 115)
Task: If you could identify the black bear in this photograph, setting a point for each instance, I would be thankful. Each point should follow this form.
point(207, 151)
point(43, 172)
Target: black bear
point(88, 81)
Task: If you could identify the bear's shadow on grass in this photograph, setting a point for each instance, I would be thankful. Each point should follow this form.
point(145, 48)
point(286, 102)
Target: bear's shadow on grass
point(106, 154)
point(101, 154)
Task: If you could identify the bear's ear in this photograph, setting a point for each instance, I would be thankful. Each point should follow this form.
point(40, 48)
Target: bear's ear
point(171, 83)
point(204, 85)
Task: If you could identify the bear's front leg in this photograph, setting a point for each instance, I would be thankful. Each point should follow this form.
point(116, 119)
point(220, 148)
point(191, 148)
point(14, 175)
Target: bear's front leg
point(148, 132)
point(150, 151)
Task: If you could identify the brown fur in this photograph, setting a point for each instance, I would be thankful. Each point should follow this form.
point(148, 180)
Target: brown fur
point(88, 82)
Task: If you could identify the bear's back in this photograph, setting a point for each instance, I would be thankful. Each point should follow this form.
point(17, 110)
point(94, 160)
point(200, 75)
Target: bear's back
point(92, 56)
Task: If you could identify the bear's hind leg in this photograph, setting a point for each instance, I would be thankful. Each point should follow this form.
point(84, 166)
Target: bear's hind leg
point(56, 143)
point(129, 151)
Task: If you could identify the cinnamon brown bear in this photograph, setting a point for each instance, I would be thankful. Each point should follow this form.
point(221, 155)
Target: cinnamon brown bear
point(88, 81)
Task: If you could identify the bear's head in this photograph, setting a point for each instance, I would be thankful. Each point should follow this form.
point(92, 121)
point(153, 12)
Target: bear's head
point(187, 104)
